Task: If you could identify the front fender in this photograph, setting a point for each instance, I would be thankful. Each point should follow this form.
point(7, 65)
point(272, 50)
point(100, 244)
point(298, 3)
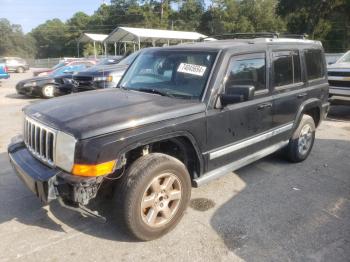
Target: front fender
point(171, 135)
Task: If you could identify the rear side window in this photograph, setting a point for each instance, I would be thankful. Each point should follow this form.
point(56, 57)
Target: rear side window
point(286, 66)
point(314, 64)
point(248, 70)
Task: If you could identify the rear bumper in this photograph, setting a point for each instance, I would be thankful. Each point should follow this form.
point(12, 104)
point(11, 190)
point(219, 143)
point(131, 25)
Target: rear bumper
point(339, 91)
point(4, 76)
point(49, 183)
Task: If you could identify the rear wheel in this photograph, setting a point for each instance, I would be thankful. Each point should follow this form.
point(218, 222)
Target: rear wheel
point(48, 91)
point(20, 70)
point(153, 195)
point(302, 141)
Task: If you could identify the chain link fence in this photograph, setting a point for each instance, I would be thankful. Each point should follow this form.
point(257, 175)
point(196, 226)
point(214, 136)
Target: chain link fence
point(43, 63)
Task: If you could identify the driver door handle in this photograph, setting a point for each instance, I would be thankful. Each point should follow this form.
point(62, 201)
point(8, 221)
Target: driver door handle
point(264, 105)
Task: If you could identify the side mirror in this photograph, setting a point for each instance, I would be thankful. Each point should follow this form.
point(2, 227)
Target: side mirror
point(236, 94)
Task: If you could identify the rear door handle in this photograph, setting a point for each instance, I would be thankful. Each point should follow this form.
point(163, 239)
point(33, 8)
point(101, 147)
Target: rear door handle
point(301, 95)
point(265, 105)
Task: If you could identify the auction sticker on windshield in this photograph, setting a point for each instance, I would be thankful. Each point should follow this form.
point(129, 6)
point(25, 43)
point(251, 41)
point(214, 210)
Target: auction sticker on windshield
point(191, 69)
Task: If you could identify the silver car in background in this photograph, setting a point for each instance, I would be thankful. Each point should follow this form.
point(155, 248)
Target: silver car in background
point(339, 76)
point(15, 64)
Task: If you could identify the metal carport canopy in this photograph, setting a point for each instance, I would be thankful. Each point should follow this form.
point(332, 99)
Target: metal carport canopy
point(87, 37)
point(130, 34)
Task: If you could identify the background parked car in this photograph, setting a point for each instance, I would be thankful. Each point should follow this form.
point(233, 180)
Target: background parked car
point(110, 60)
point(15, 64)
point(100, 76)
point(331, 58)
point(3, 71)
point(47, 71)
point(339, 76)
point(45, 86)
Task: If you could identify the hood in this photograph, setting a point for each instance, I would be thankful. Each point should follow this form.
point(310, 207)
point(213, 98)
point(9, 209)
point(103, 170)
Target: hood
point(37, 79)
point(100, 112)
point(42, 70)
point(102, 70)
point(339, 66)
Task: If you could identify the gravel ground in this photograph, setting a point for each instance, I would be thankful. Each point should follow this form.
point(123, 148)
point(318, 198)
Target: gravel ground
point(269, 211)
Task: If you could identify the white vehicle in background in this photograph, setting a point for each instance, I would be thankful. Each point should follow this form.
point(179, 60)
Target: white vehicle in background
point(15, 64)
point(339, 76)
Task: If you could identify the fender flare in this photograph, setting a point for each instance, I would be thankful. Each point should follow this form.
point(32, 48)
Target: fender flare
point(171, 135)
point(307, 105)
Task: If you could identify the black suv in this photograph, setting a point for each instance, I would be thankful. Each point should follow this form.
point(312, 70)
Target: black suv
point(181, 117)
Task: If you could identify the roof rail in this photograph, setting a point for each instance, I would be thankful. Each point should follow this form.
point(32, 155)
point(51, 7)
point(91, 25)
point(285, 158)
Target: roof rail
point(296, 36)
point(257, 35)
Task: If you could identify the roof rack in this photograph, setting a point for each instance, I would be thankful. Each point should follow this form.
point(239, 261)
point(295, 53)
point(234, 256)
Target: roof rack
point(258, 35)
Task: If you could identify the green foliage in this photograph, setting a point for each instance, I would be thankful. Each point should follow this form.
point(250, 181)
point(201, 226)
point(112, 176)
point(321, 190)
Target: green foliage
point(326, 20)
point(51, 38)
point(13, 42)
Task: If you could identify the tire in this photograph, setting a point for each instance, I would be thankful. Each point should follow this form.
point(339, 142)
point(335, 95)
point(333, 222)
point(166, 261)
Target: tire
point(301, 143)
point(145, 184)
point(48, 91)
point(20, 70)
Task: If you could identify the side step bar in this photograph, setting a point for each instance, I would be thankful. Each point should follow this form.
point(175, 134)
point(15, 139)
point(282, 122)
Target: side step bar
point(221, 171)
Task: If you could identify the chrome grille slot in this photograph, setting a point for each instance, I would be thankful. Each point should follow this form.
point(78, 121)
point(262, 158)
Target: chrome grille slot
point(40, 140)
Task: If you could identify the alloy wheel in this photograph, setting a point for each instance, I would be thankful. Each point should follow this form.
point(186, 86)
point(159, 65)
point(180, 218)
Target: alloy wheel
point(305, 139)
point(161, 200)
point(48, 91)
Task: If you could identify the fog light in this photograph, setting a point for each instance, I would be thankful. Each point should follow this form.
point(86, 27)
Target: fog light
point(94, 170)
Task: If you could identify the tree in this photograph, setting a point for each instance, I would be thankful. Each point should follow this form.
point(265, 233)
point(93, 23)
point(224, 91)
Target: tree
point(326, 20)
point(51, 38)
point(232, 16)
point(13, 42)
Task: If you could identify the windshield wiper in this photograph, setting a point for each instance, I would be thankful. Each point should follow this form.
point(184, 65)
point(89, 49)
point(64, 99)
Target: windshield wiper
point(153, 91)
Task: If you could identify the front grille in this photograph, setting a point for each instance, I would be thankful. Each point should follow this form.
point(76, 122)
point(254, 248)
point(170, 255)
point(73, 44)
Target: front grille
point(339, 83)
point(40, 140)
point(338, 73)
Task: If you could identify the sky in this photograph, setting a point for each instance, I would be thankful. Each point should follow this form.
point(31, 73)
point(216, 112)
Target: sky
point(31, 13)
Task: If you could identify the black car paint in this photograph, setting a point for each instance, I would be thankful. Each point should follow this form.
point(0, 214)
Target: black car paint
point(109, 123)
point(36, 90)
point(84, 81)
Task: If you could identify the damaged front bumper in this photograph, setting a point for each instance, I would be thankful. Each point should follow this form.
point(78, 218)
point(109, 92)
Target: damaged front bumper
point(50, 184)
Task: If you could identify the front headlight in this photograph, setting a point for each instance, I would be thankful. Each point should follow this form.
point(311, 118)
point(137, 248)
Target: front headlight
point(103, 78)
point(65, 149)
point(28, 84)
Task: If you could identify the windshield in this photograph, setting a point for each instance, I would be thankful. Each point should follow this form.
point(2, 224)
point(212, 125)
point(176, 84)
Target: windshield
point(67, 70)
point(109, 61)
point(129, 59)
point(59, 65)
point(181, 74)
point(345, 58)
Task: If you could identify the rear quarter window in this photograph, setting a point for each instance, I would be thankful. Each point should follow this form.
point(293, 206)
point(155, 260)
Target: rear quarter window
point(286, 67)
point(314, 64)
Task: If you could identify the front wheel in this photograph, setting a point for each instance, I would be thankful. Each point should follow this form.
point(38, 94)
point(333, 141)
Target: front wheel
point(302, 141)
point(153, 195)
point(48, 91)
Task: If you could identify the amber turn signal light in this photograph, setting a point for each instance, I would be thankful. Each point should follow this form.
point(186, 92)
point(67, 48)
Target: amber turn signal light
point(94, 170)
